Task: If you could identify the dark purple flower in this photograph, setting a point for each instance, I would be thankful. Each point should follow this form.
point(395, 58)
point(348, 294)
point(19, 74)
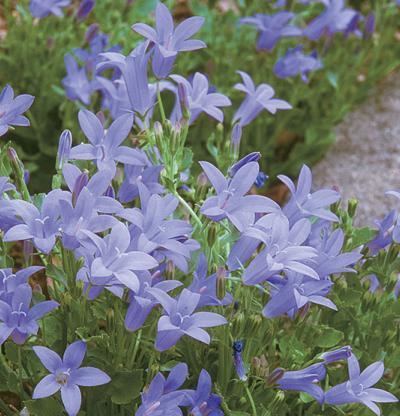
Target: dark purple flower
point(66, 374)
point(18, 320)
point(251, 157)
point(11, 109)
point(359, 387)
point(43, 8)
point(167, 40)
point(305, 380)
point(180, 319)
point(272, 28)
point(105, 146)
point(84, 9)
point(303, 203)
point(231, 201)
point(199, 99)
point(257, 99)
point(336, 18)
point(238, 360)
point(295, 62)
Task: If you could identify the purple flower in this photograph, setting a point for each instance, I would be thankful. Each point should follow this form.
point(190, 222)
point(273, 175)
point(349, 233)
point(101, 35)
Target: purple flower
point(40, 226)
point(343, 353)
point(257, 99)
point(305, 380)
point(161, 397)
point(251, 157)
point(238, 360)
point(84, 9)
point(152, 233)
point(167, 40)
point(202, 401)
point(199, 99)
point(180, 319)
point(5, 186)
point(18, 319)
point(272, 28)
point(66, 374)
point(303, 203)
point(105, 146)
point(359, 387)
point(77, 84)
point(294, 292)
point(231, 201)
point(295, 62)
point(142, 301)
point(206, 286)
point(64, 149)
point(43, 8)
point(108, 259)
point(336, 18)
point(11, 109)
point(384, 236)
point(10, 281)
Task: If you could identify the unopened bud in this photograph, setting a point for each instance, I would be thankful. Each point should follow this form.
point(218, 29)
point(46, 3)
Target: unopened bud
point(236, 136)
point(275, 376)
point(81, 181)
point(251, 157)
point(91, 32)
point(352, 207)
point(84, 9)
point(64, 149)
point(221, 280)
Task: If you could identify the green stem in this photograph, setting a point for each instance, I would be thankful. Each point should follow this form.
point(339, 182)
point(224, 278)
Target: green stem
point(163, 118)
point(20, 375)
point(250, 397)
point(189, 209)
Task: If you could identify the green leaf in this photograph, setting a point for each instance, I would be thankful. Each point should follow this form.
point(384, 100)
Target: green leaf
point(360, 236)
point(328, 338)
point(47, 406)
point(333, 79)
point(126, 386)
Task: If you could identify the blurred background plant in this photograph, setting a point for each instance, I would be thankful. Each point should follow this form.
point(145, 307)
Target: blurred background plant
point(32, 59)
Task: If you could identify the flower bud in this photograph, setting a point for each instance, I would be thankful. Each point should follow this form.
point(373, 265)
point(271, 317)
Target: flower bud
point(27, 176)
point(64, 149)
point(369, 25)
point(91, 32)
point(84, 9)
point(337, 355)
point(352, 207)
point(236, 136)
point(275, 376)
point(184, 101)
point(81, 181)
point(251, 157)
point(221, 280)
point(238, 347)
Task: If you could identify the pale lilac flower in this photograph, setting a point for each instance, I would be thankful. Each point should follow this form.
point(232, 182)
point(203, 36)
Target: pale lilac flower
point(359, 387)
point(5, 186)
point(231, 201)
point(66, 374)
point(343, 353)
point(181, 319)
point(295, 62)
point(336, 18)
point(18, 320)
point(43, 8)
point(385, 231)
point(305, 380)
point(303, 203)
point(11, 109)
point(199, 99)
point(9, 281)
point(272, 28)
point(167, 40)
point(257, 99)
point(105, 145)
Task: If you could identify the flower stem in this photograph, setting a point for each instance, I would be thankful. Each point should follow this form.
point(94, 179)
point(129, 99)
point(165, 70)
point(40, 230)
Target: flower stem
point(250, 397)
point(21, 385)
point(160, 103)
point(189, 209)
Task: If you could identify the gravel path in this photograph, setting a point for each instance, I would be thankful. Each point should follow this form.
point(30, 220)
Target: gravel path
point(365, 160)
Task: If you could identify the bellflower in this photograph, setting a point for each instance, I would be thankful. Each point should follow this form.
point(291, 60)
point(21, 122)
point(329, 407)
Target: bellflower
point(257, 99)
point(303, 203)
point(272, 28)
point(294, 292)
point(105, 146)
point(84, 9)
point(142, 301)
point(77, 84)
point(180, 319)
point(343, 353)
point(43, 8)
point(151, 232)
point(396, 229)
point(64, 148)
point(295, 62)
point(12, 109)
point(336, 18)
point(238, 360)
point(5, 186)
point(199, 99)
point(40, 226)
point(167, 40)
point(384, 236)
point(9, 281)
point(202, 401)
point(251, 157)
point(231, 201)
point(66, 374)
point(305, 380)
point(18, 320)
point(359, 387)
point(162, 397)
point(206, 286)
point(113, 260)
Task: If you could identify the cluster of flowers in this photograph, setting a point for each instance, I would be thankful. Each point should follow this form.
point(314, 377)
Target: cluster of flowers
point(128, 234)
point(336, 18)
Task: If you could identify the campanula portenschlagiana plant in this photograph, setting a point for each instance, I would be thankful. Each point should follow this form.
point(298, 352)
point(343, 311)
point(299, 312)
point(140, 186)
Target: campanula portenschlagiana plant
point(190, 294)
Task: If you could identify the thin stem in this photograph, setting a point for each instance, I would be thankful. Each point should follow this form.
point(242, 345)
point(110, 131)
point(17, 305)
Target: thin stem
point(250, 397)
point(21, 385)
point(189, 209)
point(163, 118)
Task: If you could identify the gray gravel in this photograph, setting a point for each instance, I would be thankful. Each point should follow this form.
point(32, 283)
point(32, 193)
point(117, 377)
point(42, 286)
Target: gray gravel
point(365, 160)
